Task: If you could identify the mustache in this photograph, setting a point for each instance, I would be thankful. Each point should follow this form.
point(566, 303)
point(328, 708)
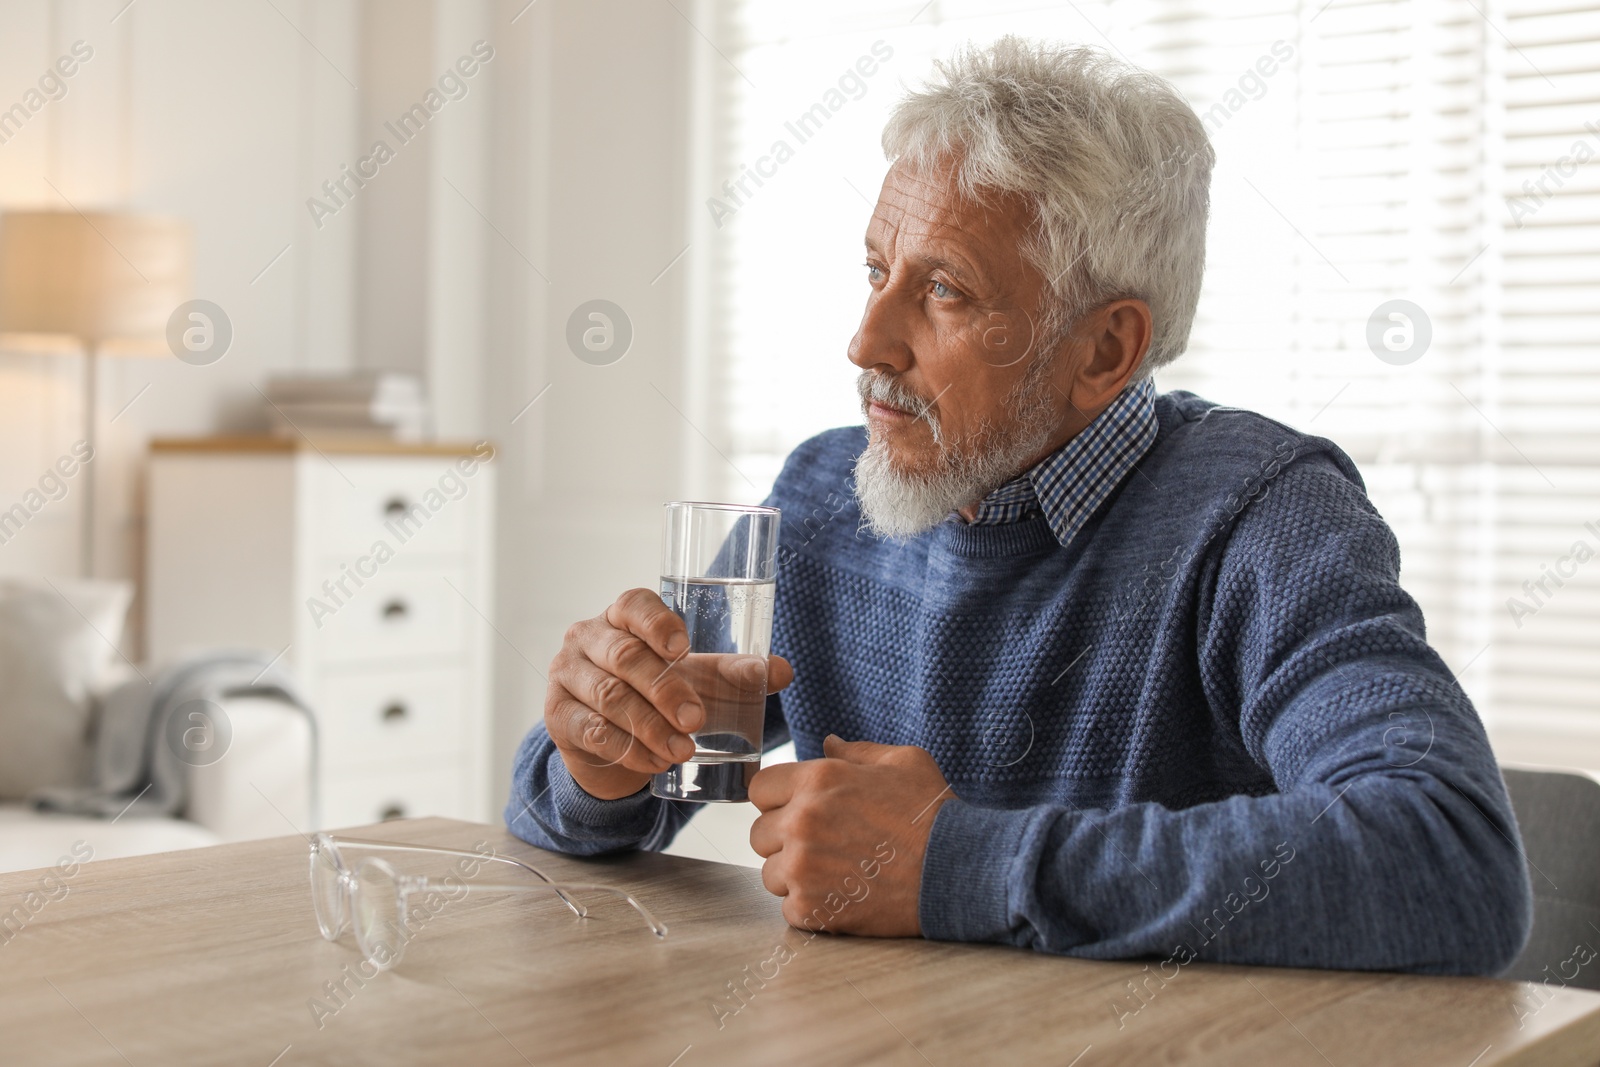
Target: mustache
point(875, 388)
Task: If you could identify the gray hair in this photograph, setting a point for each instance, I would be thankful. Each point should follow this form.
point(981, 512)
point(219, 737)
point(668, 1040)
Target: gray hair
point(1114, 162)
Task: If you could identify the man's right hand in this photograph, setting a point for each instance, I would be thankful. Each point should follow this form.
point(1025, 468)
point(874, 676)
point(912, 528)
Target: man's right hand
point(616, 710)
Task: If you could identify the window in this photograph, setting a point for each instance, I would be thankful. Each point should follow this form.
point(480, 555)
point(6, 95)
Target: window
point(1432, 152)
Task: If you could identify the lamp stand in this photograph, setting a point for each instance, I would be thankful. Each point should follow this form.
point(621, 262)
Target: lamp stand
point(91, 403)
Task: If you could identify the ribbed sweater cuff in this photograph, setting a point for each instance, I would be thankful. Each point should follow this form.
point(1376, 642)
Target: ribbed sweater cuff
point(967, 871)
point(608, 818)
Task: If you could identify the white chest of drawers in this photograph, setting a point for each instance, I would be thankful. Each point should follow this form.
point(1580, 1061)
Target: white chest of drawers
point(368, 566)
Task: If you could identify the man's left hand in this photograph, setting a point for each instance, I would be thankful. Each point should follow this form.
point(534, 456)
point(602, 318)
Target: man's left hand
point(844, 836)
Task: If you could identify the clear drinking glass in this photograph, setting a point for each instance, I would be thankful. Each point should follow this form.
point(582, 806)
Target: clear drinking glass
point(719, 573)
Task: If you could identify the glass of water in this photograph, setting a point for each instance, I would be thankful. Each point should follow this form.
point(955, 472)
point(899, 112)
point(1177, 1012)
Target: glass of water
point(719, 573)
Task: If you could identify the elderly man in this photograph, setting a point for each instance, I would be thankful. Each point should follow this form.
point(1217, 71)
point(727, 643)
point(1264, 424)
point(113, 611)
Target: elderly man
point(1075, 665)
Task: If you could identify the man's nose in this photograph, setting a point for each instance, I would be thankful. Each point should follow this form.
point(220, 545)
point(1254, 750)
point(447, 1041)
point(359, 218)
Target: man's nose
point(881, 341)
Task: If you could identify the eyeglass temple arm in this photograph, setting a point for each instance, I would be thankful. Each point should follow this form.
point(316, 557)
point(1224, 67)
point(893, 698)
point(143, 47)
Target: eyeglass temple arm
point(656, 926)
point(390, 846)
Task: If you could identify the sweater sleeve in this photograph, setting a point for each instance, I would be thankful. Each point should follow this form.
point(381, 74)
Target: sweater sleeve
point(1389, 843)
point(549, 809)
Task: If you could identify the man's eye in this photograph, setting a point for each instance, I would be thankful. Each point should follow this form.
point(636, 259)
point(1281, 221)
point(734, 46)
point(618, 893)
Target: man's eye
point(942, 291)
point(873, 273)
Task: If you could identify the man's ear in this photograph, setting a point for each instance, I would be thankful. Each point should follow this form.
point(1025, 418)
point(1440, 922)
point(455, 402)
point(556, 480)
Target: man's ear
point(1111, 343)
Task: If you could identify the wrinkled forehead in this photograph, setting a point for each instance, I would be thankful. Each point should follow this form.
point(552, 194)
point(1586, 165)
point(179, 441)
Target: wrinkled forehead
point(922, 206)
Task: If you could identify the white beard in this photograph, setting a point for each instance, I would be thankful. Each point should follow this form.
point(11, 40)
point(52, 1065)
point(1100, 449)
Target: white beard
point(901, 504)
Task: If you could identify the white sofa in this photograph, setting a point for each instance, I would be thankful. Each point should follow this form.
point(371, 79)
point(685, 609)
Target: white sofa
point(262, 787)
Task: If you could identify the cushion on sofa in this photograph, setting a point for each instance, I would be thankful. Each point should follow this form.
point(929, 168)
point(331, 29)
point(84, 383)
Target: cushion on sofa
point(58, 639)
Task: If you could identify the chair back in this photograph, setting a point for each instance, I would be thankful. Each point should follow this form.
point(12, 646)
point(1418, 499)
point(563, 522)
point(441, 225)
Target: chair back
point(1559, 815)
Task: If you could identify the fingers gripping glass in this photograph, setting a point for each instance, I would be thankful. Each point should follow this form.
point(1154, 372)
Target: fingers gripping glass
point(373, 897)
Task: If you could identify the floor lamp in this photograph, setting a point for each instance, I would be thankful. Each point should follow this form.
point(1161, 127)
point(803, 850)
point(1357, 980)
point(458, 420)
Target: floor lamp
point(108, 281)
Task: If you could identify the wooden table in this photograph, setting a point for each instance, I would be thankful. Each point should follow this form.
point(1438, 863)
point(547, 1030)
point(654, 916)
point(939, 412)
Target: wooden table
point(212, 956)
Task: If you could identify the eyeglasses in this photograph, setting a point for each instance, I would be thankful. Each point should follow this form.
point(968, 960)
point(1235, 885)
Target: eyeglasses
point(373, 897)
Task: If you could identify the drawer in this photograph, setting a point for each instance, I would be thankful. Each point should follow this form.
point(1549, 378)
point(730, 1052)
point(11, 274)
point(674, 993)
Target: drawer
point(396, 614)
point(390, 718)
point(429, 788)
point(416, 506)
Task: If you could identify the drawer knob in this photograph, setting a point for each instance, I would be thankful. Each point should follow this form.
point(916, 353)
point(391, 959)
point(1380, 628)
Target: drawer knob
point(392, 811)
point(394, 712)
point(396, 506)
point(395, 609)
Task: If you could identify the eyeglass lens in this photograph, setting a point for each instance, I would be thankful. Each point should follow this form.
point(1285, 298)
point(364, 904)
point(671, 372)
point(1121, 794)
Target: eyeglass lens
point(377, 917)
point(326, 894)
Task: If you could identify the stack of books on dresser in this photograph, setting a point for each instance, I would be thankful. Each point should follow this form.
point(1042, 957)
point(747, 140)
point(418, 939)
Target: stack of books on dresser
point(362, 404)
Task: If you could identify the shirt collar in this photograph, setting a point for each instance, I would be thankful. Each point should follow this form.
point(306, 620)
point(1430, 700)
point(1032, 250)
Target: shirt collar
point(1071, 482)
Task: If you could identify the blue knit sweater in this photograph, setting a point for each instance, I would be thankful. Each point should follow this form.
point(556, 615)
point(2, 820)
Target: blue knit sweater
point(1210, 727)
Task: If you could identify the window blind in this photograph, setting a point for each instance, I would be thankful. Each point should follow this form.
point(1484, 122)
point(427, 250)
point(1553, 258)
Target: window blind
point(1428, 151)
point(1543, 381)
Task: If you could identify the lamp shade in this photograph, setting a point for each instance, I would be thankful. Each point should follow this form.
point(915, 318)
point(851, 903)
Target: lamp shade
point(97, 276)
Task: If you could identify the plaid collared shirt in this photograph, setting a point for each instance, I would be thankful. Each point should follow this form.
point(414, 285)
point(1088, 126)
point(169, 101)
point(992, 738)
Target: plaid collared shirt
point(1071, 482)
